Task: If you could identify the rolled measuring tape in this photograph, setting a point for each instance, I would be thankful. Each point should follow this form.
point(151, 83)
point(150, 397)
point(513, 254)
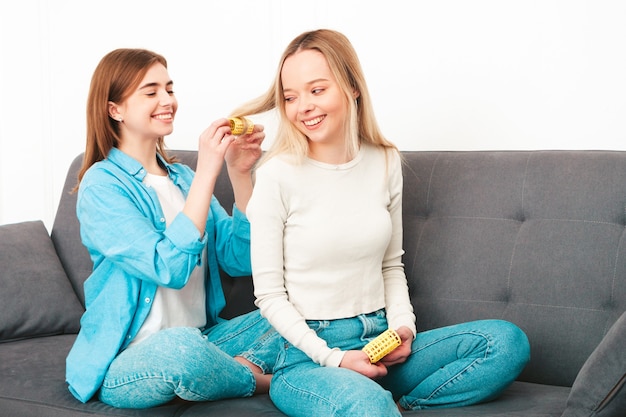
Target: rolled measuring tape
point(240, 125)
point(382, 345)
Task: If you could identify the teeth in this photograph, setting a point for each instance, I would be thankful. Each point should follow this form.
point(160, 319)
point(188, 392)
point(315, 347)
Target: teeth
point(163, 116)
point(313, 122)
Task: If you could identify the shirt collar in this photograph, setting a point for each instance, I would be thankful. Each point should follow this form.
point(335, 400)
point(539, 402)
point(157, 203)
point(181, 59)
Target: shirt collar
point(133, 167)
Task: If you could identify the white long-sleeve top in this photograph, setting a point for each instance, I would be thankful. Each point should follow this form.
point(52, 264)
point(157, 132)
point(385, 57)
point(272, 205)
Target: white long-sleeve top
point(326, 243)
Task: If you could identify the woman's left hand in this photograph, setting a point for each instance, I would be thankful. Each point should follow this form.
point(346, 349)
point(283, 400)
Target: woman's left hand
point(358, 361)
point(402, 352)
point(243, 153)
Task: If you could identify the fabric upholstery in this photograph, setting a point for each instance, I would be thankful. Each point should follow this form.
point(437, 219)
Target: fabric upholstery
point(39, 383)
point(600, 388)
point(66, 234)
point(35, 295)
point(40, 391)
point(536, 238)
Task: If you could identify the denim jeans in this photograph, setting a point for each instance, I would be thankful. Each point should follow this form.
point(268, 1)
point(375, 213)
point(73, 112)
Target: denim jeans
point(184, 362)
point(451, 366)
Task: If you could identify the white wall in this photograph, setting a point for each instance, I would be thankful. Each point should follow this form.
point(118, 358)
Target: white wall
point(446, 74)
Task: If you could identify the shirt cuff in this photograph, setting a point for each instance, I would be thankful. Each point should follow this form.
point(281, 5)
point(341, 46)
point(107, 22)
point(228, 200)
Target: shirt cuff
point(184, 234)
point(241, 224)
point(334, 358)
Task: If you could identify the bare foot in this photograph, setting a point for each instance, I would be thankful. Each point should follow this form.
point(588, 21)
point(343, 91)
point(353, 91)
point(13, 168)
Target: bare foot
point(399, 406)
point(262, 380)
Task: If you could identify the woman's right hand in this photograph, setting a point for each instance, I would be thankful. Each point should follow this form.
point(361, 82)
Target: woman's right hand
point(212, 146)
point(358, 361)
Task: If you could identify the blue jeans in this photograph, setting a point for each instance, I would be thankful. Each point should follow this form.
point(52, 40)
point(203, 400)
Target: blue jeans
point(448, 367)
point(184, 362)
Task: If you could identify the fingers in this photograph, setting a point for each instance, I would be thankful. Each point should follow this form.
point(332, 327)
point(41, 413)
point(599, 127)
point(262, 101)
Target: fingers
point(377, 370)
point(254, 133)
point(398, 355)
point(358, 361)
point(223, 127)
point(255, 138)
point(219, 128)
point(216, 140)
point(217, 135)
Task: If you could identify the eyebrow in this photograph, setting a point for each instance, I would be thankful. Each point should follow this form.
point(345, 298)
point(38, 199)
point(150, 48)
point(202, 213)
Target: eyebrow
point(149, 85)
point(317, 80)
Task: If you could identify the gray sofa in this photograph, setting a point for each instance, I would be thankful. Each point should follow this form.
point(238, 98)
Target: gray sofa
point(537, 238)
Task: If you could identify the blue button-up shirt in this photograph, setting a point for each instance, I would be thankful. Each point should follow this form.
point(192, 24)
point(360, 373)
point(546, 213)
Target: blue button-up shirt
point(133, 252)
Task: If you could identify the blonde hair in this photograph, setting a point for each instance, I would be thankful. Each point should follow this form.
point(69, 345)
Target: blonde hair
point(346, 68)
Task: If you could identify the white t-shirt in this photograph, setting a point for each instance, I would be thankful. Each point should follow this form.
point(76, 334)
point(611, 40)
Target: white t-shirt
point(326, 243)
point(171, 307)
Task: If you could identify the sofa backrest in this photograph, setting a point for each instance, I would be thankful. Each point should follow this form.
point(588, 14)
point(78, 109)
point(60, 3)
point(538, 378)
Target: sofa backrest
point(536, 238)
point(65, 234)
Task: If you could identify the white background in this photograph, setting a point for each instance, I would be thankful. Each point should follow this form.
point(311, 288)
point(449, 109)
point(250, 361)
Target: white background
point(443, 74)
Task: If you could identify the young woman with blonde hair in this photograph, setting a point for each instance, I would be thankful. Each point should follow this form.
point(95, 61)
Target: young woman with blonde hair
point(326, 242)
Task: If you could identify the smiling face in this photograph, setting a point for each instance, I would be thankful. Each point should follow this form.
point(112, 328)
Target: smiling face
point(148, 112)
point(314, 102)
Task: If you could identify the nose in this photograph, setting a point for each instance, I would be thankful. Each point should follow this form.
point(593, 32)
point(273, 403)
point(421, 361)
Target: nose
point(165, 98)
point(305, 105)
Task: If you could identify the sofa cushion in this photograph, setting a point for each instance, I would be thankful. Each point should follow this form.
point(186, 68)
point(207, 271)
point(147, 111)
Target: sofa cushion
point(600, 387)
point(35, 294)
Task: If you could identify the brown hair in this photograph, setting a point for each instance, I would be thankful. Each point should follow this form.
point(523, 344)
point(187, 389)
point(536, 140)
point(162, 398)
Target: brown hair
point(116, 76)
point(345, 66)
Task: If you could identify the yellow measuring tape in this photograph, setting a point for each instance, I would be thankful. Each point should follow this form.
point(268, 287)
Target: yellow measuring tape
point(240, 125)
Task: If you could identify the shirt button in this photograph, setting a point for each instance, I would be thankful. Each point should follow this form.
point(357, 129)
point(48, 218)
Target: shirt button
point(142, 171)
point(162, 219)
point(147, 299)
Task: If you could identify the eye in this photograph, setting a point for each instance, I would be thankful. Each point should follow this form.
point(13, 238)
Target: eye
point(289, 99)
point(317, 90)
point(170, 92)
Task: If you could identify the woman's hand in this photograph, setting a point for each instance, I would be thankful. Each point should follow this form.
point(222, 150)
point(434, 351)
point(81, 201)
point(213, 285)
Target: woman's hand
point(213, 145)
point(243, 153)
point(240, 157)
point(358, 361)
point(402, 352)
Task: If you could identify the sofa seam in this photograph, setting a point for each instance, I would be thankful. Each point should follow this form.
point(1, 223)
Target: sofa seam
point(428, 216)
point(597, 310)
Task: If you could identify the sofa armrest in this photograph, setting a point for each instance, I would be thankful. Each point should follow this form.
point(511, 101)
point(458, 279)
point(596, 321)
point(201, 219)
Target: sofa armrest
point(600, 387)
point(36, 297)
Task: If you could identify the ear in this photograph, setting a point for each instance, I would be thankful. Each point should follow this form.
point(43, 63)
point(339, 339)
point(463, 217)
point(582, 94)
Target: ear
point(355, 94)
point(114, 111)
